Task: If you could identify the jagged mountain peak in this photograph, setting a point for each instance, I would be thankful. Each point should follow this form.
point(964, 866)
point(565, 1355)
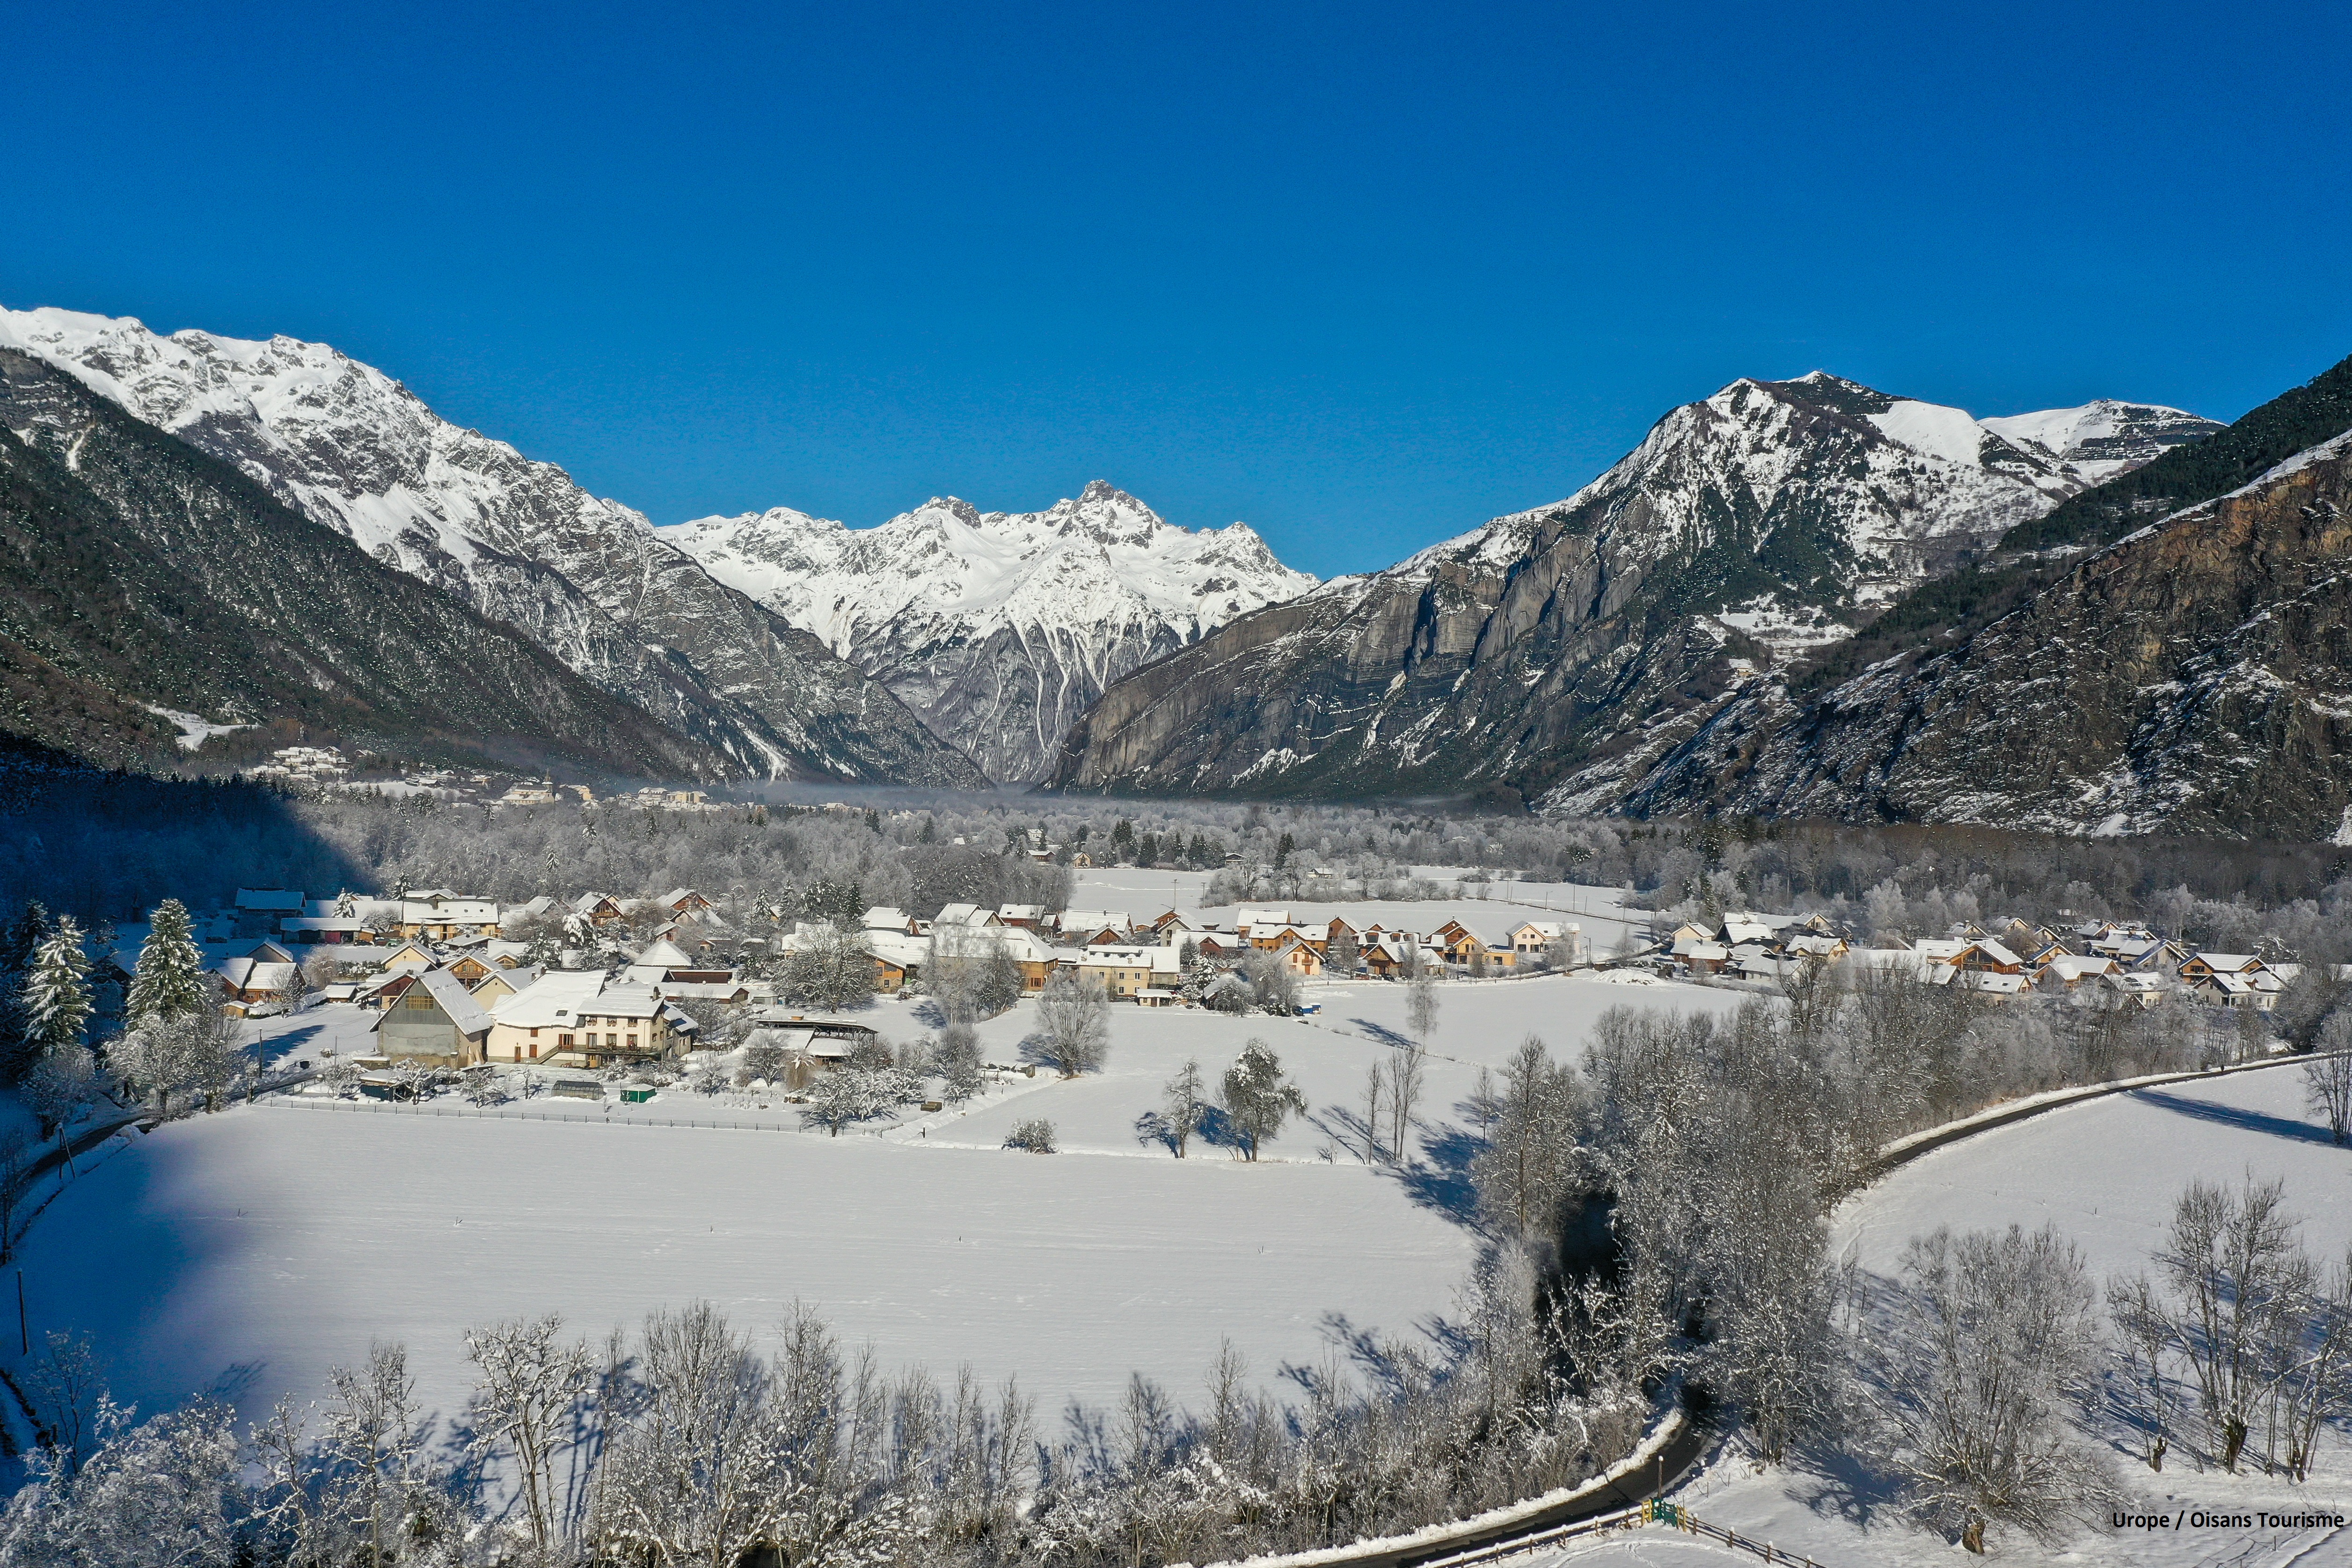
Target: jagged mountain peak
point(585, 578)
point(998, 627)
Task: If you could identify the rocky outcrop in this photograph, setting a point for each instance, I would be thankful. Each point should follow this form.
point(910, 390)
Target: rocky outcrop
point(1772, 513)
point(2194, 677)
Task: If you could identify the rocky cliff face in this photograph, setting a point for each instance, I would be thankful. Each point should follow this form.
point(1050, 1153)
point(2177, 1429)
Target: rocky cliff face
point(2194, 677)
point(587, 578)
point(998, 627)
point(140, 578)
point(1770, 516)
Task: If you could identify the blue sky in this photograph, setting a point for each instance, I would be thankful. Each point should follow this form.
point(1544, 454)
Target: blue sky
point(1363, 276)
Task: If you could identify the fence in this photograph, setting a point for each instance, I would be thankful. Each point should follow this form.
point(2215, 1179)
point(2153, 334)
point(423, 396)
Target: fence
point(1624, 1521)
point(503, 1113)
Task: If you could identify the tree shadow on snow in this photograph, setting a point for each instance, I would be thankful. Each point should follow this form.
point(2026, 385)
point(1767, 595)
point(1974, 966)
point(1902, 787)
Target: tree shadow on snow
point(294, 1043)
point(2232, 1116)
point(1381, 1034)
point(1436, 1177)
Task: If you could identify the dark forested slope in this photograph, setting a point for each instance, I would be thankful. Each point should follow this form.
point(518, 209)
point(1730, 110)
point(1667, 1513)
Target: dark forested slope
point(138, 573)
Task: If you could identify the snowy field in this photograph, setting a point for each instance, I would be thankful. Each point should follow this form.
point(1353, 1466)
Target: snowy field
point(2105, 1173)
point(251, 1251)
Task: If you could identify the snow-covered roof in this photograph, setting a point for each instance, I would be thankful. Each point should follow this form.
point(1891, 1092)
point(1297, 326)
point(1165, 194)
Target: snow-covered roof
point(555, 998)
point(665, 954)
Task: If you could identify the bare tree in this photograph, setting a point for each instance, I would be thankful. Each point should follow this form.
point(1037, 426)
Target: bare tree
point(1073, 1017)
point(1406, 1080)
point(2144, 1334)
point(1180, 1106)
point(1374, 1079)
point(524, 1401)
point(1997, 1341)
point(1421, 1003)
point(2327, 1078)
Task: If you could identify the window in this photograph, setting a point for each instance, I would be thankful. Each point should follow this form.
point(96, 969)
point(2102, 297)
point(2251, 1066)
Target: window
point(633, 1042)
point(420, 1004)
point(610, 1041)
point(563, 1041)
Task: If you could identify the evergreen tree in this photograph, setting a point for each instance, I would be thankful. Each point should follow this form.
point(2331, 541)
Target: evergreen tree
point(19, 941)
point(56, 993)
point(169, 981)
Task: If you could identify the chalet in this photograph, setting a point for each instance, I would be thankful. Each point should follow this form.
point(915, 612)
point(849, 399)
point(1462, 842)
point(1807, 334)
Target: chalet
point(2257, 988)
point(467, 969)
point(274, 902)
point(2132, 989)
point(1125, 970)
point(576, 1018)
point(1033, 954)
point(266, 952)
point(1339, 927)
point(386, 989)
point(309, 930)
point(1169, 924)
point(1532, 936)
point(516, 914)
point(498, 983)
point(810, 1045)
point(1025, 915)
point(1705, 957)
point(685, 901)
point(247, 983)
point(1247, 921)
point(2067, 973)
point(1394, 954)
point(1299, 955)
point(888, 917)
point(597, 908)
point(2204, 966)
point(436, 1023)
point(1812, 945)
point(969, 914)
point(655, 962)
point(409, 955)
point(1083, 925)
point(897, 959)
point(1108, 934)
point(445, 915)
point(1217, 945)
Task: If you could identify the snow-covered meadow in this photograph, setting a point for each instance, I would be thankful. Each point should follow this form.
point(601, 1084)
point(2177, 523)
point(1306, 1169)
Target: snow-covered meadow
point(249, 1252)
point(2105, 1173)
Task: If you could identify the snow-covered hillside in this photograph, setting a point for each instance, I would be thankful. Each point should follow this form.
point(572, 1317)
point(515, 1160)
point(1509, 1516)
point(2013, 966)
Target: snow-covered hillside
point(587, 578)
point(1772, 513)
point(998, 627)
point(2104, 438)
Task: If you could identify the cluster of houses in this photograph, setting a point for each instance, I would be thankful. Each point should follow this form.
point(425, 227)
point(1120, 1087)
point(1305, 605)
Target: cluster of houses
point(1145, 961)
point(2108, 961)
point(449, 991)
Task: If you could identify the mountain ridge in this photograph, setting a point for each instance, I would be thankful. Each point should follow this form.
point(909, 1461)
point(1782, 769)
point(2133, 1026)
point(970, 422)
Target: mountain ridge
point(997, 627)
point(347, 446)
point(1768, 515)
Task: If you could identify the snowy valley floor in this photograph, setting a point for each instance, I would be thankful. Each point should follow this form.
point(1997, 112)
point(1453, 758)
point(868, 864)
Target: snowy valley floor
point(251, 1251)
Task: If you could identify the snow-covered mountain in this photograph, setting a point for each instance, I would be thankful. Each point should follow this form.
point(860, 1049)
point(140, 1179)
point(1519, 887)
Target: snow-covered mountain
point(999, 628)
point(2102, 438)
point(1769, 515)
point(587, 579)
